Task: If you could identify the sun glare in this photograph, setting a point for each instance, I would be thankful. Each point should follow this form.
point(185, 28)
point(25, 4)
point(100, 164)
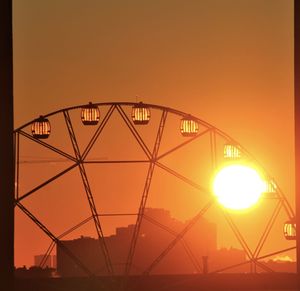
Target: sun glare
point(238, 187)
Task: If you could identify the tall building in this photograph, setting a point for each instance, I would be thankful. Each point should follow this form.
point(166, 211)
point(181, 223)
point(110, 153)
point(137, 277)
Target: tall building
point(42, 261)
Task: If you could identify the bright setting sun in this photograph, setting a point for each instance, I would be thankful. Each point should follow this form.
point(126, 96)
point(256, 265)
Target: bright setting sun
point(238, 187)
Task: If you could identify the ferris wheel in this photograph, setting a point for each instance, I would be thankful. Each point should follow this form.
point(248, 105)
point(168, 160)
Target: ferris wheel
point(97, 168)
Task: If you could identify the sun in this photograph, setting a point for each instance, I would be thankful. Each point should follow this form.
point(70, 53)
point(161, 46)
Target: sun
point(238, 187)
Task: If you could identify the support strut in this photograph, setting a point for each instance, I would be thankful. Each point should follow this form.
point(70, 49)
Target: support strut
point(89, 195)
point(145, 193)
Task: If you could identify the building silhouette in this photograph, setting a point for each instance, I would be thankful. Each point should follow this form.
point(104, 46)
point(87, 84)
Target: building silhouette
point(42, 261)
point(196, 253)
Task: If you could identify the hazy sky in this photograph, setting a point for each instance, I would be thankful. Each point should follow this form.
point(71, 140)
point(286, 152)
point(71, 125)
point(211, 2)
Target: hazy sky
point(229, 62)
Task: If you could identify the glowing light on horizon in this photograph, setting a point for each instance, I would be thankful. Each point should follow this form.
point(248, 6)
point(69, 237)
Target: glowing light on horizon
point(283, 259)
point(238, 187)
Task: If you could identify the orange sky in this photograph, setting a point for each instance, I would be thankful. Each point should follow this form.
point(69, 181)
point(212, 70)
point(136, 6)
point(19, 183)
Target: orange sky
point(228, 62)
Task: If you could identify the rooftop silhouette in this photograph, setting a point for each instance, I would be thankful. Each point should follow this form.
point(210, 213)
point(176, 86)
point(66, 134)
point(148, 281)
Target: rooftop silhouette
point(196, 253)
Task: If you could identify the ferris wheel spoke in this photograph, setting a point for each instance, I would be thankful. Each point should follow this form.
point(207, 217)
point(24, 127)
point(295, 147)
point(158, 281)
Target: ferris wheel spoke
point(276, 253)
point(145, 193)
point(44, 144)
point(238, 234)
point(98, 131)
point(70, 230)
point(183, 144)
point(183, 178)
point(46, 182)
point(243, 242)
point(268, 228)
point(89, 194)
point(63, 247)
point(185, 245)
point(178, 237)
point(213, 149)
point(134, 132)
point(286, 205)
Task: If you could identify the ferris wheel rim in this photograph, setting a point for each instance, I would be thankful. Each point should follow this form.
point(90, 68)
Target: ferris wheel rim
point(177, 112)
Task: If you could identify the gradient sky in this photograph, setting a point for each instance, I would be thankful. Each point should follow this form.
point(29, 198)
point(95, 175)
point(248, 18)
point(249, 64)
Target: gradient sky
point(228, 62)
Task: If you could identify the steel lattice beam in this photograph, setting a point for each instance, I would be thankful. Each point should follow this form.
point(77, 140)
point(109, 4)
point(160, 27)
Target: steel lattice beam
point(185, 245)
point(243, 242)
point(183, 144)
point(98, 132)
point(52, 245)
point(213, 149)
point(183, 178)
point(145, 193)
point(178, 238)
point(46, 182)
point(54, 239)
point(89, 194)
point(135, 133)
point(267, 229)
point(46, 145)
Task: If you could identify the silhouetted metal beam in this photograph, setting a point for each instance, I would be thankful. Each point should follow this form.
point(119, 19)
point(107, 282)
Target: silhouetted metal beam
point(6, 150)
point(89, 194)
point(145, 194)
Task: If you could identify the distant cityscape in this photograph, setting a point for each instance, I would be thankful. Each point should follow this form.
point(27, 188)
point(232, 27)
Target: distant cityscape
point(196, 253)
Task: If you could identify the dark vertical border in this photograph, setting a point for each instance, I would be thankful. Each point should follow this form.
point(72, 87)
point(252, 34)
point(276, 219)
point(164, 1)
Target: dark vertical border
point(6, 148)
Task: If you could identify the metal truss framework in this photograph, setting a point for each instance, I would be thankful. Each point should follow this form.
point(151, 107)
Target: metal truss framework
point(153, 158)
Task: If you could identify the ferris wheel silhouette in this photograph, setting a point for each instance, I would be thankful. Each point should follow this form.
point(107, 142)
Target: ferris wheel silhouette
point(155, 155)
